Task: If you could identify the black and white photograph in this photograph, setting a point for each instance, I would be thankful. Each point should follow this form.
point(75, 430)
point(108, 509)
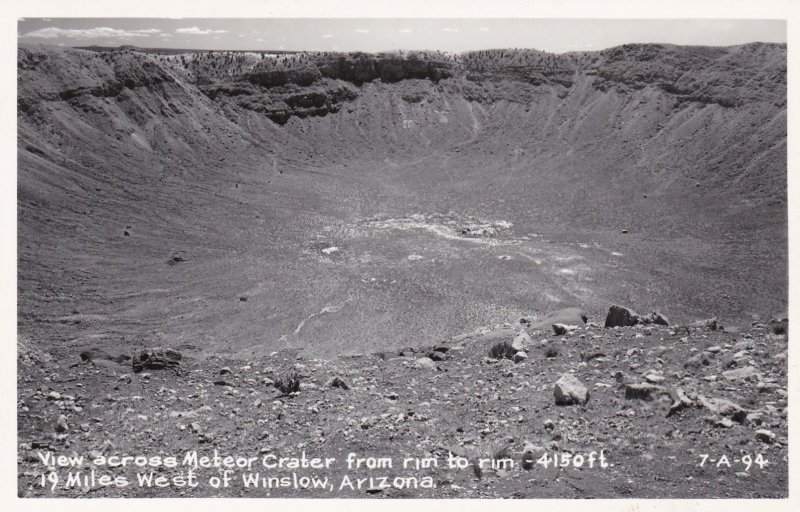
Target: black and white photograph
point(401, 257)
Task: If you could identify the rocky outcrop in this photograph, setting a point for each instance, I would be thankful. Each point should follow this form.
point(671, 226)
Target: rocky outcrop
point(156, 359)
point(302, 76)
point(282, 103)
point(359, 68)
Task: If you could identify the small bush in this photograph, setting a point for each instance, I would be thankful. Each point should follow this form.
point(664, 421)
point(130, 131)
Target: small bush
point(495, 450)
point(288, 383)
point(502, 350)
point(551, 351)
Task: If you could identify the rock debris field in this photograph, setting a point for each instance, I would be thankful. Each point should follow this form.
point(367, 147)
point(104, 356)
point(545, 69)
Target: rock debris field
point(664, 404)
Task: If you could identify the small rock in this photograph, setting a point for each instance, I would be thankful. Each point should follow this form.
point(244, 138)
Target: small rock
point(368, 421)
point(642, 391)
point(337, 382)
point(722, 406)
point(748, 372)
point(520, 356)
point(709, 323)
point(425, 363)
point(437, 356)
point(725, 423)
point(679, 401)
point(225, 371)
point(560, 329)
point(766, 436)
point(61, 424)
point(754, 418)
point(658, 318)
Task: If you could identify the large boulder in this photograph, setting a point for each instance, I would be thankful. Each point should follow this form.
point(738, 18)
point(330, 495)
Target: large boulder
point(620, 316)
point(568, 390)
point(521, 341)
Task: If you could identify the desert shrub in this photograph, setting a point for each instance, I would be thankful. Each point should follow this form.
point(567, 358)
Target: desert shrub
point(288, 383)
point(502, 350)
point(551, 351)
point(497, 450)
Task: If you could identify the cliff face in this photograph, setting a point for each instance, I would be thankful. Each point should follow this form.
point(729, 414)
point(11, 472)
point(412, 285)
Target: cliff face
point(246, 166)
point(729, 77)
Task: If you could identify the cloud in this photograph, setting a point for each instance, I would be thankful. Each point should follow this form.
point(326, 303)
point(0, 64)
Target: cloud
point(405, 30)
point(446, 29)
point(197, 31)
point(89, 33)
point(165, 36)
point(484, 29)
point(327, 36)
point(361, 31)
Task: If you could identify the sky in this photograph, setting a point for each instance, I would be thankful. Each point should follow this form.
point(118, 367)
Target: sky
point(384, 34)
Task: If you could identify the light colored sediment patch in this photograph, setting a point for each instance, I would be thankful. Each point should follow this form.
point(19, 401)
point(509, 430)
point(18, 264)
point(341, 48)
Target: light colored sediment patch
point(327, 309)
point(567, 271)
point(616, 254)
point(531, 258)
point(414, 257)
point(565, 259)
point(451, 227)
point(329, 250)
